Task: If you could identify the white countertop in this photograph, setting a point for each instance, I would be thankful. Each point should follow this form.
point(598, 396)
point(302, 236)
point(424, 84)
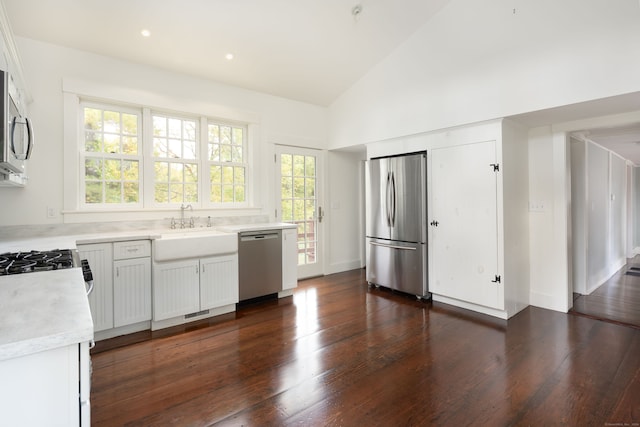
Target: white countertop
point(43, 310)
point(256, 227)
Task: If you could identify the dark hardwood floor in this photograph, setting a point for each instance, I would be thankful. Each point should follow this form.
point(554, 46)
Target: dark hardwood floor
point(340, 354)
point(617, 300)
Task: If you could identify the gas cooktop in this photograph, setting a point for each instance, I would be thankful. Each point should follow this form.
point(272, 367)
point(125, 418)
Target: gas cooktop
point(33, 261)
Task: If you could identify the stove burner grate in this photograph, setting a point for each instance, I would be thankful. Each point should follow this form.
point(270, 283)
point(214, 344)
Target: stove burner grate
point(27, 262)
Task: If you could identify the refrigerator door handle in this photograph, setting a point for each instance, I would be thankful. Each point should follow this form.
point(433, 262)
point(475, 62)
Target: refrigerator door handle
point(393, 199)
point(384, 245)
point(386, 199)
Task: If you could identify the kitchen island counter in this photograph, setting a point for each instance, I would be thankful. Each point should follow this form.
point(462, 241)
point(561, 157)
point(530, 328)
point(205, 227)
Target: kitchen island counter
point(43, 310)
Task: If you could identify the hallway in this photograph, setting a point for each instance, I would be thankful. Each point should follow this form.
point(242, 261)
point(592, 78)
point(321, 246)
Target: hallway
point(617, 300)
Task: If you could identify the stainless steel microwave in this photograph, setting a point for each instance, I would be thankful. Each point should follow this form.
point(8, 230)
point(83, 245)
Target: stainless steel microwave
point(16, 135)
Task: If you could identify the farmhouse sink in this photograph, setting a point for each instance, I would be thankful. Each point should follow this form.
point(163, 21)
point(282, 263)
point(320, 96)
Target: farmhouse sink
point(183, 244)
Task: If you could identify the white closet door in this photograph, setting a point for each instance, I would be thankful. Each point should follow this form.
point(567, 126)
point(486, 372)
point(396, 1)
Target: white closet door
point(463, 224)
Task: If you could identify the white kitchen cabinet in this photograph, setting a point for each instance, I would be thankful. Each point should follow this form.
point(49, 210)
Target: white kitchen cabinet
point(191, 286)
point(465, 239)
point(131, 291)
point(131, 282)
point(176, 289)
point(121, 284)
point(100, 257)
point(289, 258)
point(218, 281)
point(48, 388)
point(478, 219)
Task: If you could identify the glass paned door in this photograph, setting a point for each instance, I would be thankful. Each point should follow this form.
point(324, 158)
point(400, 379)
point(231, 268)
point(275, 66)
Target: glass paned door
point(298, 190)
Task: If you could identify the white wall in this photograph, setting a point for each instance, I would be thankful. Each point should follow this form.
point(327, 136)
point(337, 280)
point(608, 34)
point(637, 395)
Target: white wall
point(549, 186)
point(477, 61)
point(345, 211)
point(281, 121)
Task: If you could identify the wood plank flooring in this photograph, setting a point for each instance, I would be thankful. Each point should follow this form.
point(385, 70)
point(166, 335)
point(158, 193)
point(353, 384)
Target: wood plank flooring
point(617, 300)
point(340, 354)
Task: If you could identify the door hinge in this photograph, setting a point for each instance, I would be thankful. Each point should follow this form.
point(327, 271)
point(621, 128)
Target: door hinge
point(498, 279)
point(275, 158)
point(495, 166)
point(434, 223)
point(275, 213)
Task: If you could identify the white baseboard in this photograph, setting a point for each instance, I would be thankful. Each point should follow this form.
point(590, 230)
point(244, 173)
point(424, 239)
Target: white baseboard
point(180, 320)
point(344, 266)
point(546, 301)
point(469, 306)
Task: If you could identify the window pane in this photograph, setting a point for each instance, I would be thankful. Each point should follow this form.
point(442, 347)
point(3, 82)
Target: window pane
point(93, 169)
point(225, 153)
point(214, 152)
point(191, 192)
point(159, 126)
point(112, 170)
point(190, 149)
point(287, 210)
point(298, 188)
point(298, 165)
point(237, 136)
point(214, 134)
point(236, 154)
point(175, 174)
point(189, 130)
point(216, 174)
point(216, 194)
point(112, 121)
point(227, 193)
point(113, 192)
point(239, 193)
point(175, 149)
point(93, 119)
point(310, 166)
point(286, 187)
point(225, 135)
point(160, 147)
point(162, 193)
point(286, 165)
point(130, 145)
point(111, 143)
point(298, 210)
point(161, 171)
point(227, 175)
point(238, 175)
point(93, 142)
point(175, 193)
point(131, 192)
point(130, 124)
point(310, 188)
point(175, 128)
point(191, 173)
point(130, 170)
point(93, 192)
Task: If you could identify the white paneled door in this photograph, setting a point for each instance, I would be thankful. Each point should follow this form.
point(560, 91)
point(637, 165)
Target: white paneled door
point(298, 192)
point(463, 224)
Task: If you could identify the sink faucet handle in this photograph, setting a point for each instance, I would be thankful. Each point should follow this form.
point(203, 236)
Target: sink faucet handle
point(173, 223)
point(209, 221)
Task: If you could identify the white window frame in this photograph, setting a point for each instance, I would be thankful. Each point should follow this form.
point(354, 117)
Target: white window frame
point(106, 94)
point(206, 163)
point(82, 156)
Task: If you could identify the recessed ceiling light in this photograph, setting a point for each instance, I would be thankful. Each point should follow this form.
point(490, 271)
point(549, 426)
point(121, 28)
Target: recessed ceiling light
point(145, 33)
point(229, 56)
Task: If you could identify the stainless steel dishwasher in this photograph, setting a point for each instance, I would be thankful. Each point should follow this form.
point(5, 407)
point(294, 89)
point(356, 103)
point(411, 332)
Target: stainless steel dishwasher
point(260, 263)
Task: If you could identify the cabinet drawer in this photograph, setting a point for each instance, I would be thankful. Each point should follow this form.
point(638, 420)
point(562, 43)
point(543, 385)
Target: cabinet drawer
point(132, 249)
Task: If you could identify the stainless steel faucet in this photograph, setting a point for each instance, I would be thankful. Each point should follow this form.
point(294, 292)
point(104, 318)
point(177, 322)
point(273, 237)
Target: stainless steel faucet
point(183, 208)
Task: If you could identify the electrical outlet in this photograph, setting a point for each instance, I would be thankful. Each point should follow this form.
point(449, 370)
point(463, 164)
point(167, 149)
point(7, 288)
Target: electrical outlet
point(536, 206)
point(51, 212)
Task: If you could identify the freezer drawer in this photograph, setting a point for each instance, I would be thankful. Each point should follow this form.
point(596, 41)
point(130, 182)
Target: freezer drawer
point(398, 265)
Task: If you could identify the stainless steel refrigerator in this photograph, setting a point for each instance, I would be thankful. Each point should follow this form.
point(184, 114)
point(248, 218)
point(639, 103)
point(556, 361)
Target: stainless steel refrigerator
point(396, 195)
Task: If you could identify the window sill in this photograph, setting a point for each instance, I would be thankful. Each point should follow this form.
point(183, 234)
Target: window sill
point(114, 215)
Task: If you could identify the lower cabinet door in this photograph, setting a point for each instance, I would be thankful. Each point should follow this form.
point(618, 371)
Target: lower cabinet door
point(176, 289)
point(218, 281)
point(131, 291)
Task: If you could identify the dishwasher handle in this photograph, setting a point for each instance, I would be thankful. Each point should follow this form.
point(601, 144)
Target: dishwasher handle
point(261, 236)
